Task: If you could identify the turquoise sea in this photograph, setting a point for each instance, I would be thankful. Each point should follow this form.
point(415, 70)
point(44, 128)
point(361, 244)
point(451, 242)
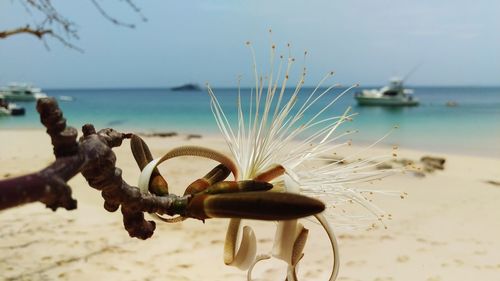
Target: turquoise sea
point(472, 127)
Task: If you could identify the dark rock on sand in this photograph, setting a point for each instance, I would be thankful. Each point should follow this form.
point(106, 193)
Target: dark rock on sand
point(193, 136)
point(495, 183)
point(160, 134)
point(433, 163)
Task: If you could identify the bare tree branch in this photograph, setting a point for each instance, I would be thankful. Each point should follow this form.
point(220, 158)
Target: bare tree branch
point(49, 22)
point(38, 32)
point(110, 18)
point(136, 9)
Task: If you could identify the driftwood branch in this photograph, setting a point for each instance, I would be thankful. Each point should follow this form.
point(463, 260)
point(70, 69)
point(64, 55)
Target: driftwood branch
point(92, 156)
point(48, 185)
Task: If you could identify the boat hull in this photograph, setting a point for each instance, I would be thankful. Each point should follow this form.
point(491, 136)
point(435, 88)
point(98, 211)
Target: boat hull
point(4, 112)
point(19, 97)
point(17, 111)
point(384, 101)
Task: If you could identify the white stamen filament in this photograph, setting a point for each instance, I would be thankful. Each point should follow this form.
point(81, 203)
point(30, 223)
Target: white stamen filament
point(280, 131)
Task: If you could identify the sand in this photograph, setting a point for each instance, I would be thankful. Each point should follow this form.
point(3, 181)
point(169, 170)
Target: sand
point(447, 228)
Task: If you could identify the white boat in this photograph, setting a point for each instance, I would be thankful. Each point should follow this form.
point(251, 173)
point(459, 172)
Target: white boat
point(392, 95)
point(10, 109)
point(21, 92)
point(66, 98)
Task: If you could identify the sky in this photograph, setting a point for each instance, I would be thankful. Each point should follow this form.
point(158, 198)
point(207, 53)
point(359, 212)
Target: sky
point(453, 42)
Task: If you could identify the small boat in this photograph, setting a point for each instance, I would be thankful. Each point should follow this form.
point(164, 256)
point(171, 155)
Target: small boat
point(66, 98)
point(21, 92)
point(392, 95)
point(187, 87)
point(10, 109)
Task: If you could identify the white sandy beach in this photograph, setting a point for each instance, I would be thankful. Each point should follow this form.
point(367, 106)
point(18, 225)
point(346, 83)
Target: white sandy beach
point(447, 228)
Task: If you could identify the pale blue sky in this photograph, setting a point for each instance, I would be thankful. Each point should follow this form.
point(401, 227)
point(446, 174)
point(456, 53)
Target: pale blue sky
point(457, 42)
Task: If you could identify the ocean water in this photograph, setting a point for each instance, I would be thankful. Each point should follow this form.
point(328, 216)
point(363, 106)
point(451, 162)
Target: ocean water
point(472, 127)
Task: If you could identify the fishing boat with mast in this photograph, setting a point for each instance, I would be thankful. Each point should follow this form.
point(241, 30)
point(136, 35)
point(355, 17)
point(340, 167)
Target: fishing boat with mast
point(393, 94)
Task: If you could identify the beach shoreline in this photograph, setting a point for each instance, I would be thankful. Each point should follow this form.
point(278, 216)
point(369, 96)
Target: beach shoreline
point(478, 151)
point(445, 229)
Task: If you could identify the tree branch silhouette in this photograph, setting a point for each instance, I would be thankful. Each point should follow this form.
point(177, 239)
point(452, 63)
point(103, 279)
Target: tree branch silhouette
point(55, 25)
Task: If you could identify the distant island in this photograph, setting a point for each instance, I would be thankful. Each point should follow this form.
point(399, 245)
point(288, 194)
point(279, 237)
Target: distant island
point(187, 87)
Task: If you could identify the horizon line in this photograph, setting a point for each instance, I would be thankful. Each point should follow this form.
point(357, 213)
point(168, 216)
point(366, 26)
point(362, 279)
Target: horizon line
point(249, 87)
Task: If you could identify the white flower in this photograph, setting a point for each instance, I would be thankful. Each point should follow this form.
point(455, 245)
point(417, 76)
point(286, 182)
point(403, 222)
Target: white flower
point(279, 130)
